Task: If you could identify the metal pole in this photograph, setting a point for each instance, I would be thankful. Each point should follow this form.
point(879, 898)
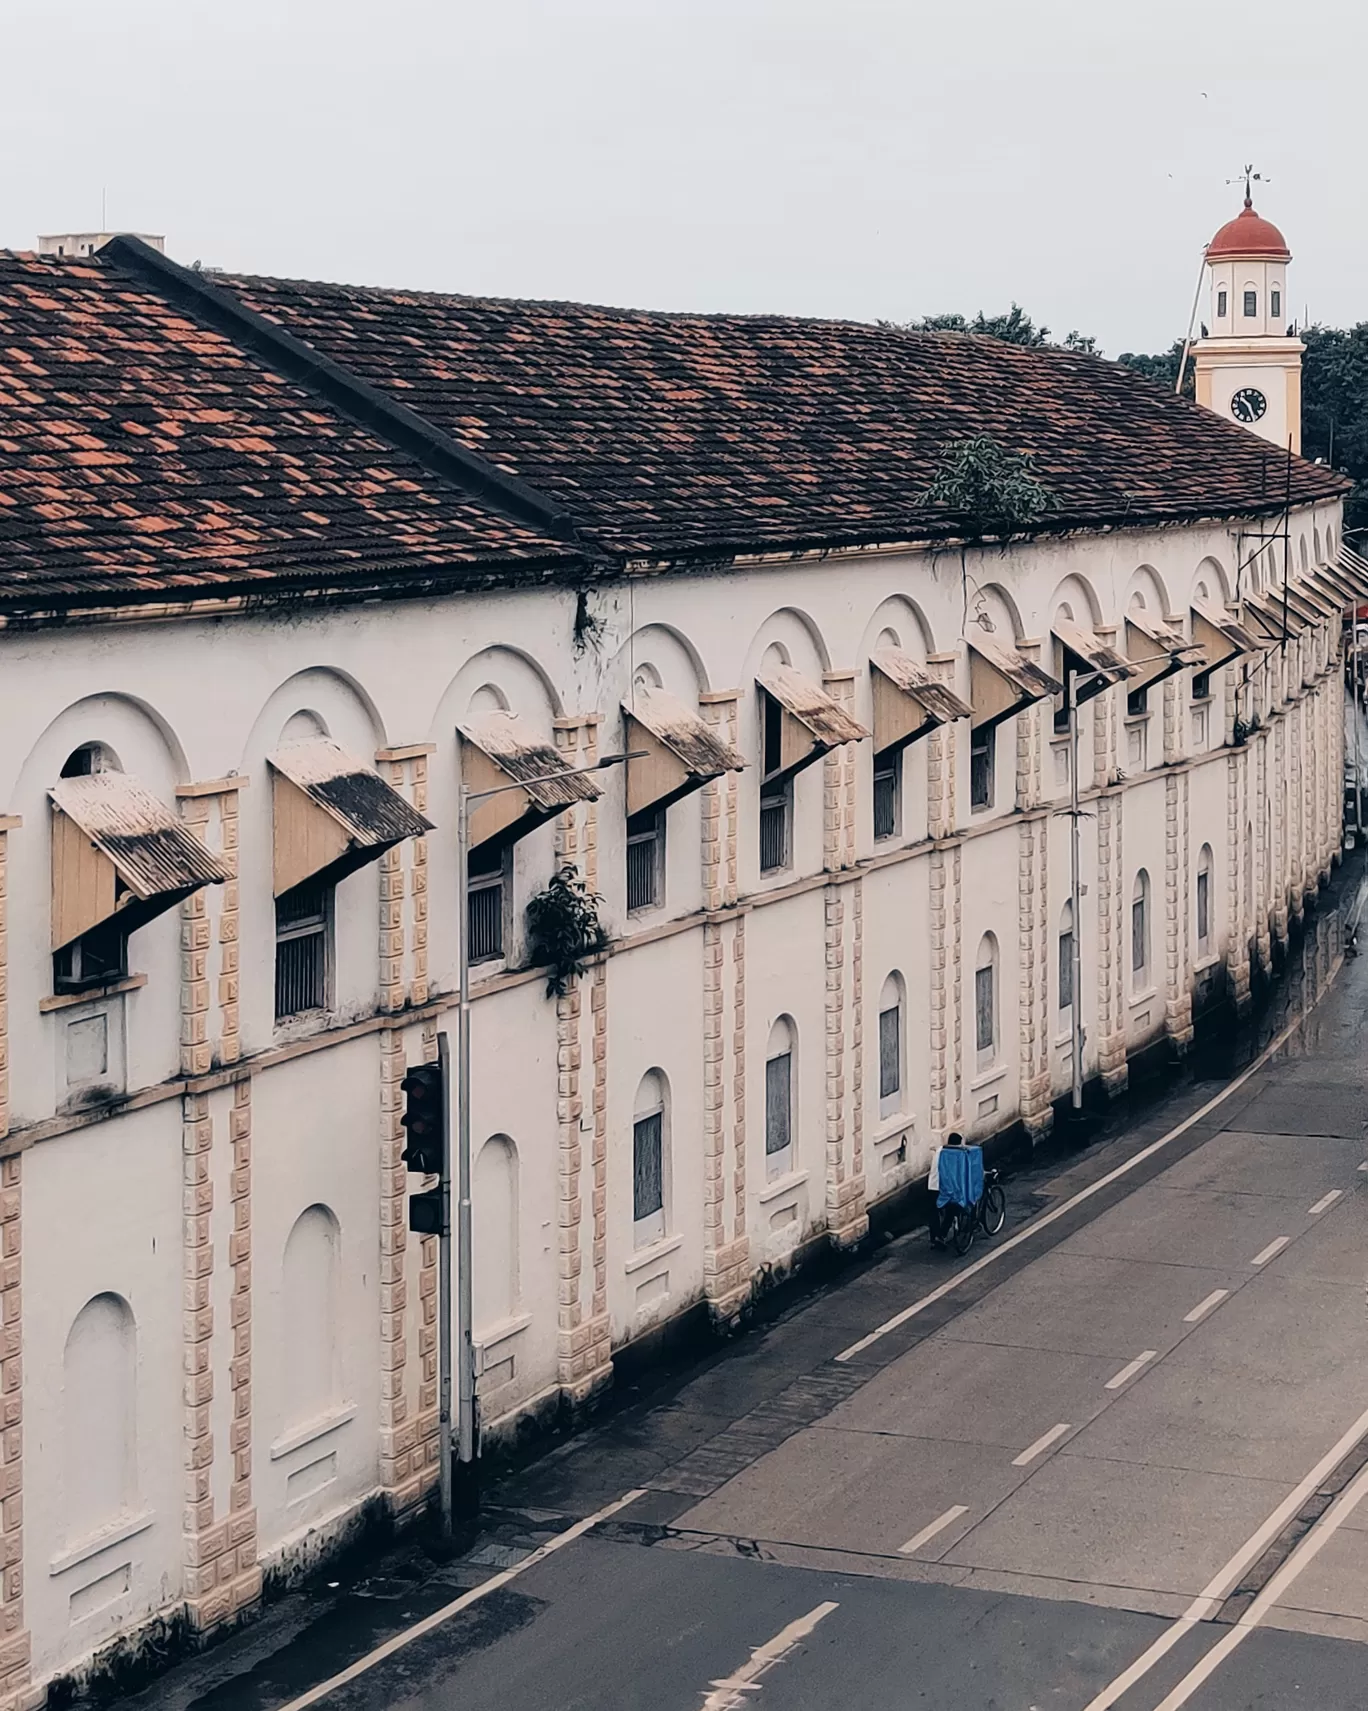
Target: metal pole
point(444, 1295)
point(465, 1418)
point(1075, 863)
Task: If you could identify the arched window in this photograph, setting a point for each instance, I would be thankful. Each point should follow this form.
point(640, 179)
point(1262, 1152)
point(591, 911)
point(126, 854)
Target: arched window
point(1140, 932)
point(651, 1159)
point(495, 1258)
point(1066, 957)
point(986, 999)
point(309, 1299)
point(1304, 554)
point(99, 1415)
point(1251, 303)
point(891, 1048)
point(1204, 867)
point(780, 1064)
point(1221, 303)
point(1329, 542)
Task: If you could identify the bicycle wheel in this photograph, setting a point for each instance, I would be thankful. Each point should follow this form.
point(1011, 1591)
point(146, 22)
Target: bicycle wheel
point(965, 1223)
point(993, 1209)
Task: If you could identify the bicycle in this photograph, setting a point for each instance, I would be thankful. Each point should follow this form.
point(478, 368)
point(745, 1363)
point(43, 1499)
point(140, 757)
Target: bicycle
point(988, 1213)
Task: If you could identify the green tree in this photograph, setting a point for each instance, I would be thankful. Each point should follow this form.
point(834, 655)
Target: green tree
point(1335, 408)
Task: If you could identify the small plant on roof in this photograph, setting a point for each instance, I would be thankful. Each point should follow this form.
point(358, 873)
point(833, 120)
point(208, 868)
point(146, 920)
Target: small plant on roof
point(564, 929)
point(992, 490)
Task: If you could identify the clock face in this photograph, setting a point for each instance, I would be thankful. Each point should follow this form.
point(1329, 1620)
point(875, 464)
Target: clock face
point(1248, 404)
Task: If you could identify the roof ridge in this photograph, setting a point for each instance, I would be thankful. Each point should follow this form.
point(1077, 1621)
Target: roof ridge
point(361, 403)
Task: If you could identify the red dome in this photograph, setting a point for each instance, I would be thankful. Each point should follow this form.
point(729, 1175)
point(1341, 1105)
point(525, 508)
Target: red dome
point(1249, 237)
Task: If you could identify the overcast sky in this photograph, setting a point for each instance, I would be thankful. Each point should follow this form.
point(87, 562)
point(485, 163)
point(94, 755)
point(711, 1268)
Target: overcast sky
point(859, 158)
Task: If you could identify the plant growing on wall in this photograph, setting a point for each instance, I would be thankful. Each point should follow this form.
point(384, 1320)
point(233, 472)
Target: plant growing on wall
point(992, 490)
point(563, 928)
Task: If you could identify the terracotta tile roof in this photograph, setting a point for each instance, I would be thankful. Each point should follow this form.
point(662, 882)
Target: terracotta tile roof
point(675, 435)
point(143, 457)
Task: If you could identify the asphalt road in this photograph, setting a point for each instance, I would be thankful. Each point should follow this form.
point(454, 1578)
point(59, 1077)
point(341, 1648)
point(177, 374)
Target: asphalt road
point(1120, 1464)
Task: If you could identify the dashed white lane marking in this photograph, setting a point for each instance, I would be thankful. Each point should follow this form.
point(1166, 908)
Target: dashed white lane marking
point(1027, 1231)
point(1041, 1444)
point(1276, 1246)
point(1324, 1201)
point(398, 1641)
point(738, 1689)
point(1315, 1540)
point(1128, 1372)
point(1364, 1165)
point(1202, 1308)
point(1208, 1601)
point(939, 1525)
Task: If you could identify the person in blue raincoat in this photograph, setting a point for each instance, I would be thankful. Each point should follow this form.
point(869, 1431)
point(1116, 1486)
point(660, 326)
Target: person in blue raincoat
point(941, 1214)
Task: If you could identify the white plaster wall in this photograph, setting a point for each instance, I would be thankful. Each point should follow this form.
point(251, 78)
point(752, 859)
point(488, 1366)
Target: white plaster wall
point(102, 1215)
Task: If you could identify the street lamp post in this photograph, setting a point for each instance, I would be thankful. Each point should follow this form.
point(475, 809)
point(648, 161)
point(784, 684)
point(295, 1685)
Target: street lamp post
point(465, 1393)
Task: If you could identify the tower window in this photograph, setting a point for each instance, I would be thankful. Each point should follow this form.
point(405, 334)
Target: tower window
point(1251, 304)
point(1275, 304)
point(1222, 304)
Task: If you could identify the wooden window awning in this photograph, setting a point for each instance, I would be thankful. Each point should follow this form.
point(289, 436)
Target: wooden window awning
point(1313, 604)
point(1343, 574)
point(1219, 635)
point(500, 749)
point(811, 721)
point(673, 750)
point(908, 702)
point(118, 850)
point(1353, 568)
point(1155, 650)
point(1332, 591)
point(332, 814)
point(1002, 682)
point(1267, 622)
point(1096, 662)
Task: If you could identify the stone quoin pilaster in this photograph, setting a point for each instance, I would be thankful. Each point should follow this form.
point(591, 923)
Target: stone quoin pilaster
point(1237, 947)
point(1177, 963)
point(1263, 841)
point(726, 1280)
point(15, 1643)
point(740, 1226)
point(1032, 980)
point(1112, 908)
point(941, 761)
point(844, 1194)
point(222, 1576)
point(857, 1044)
point(1279, 921)
point(426, 1452)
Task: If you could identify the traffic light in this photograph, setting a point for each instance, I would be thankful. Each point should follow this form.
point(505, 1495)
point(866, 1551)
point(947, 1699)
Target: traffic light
point(425, 1213)
point(424, 1117)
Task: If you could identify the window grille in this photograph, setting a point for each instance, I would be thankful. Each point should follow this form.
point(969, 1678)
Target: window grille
point(97, 957)
point(1201, 685)
point(485, 903)
point(1137, 702)
point(1251, 304)
point(981, 756)
point(779, 1103)
point(983, 1008)
point(886, 769)
point(776, 801)
point(645, 859)
point(648, 1183)
point(301, 969)
point(890, 1052)
point(1203, 906)
point(1066, 970)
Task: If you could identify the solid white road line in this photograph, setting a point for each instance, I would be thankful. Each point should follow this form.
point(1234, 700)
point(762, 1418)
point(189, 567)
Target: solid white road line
point(939, 1525)
point(1324, 1201)
point(736, 1689)
point(1130, 1369)
point(1209, 1600)
point(1041, 1444)
point(1276, 1246)
point(1202, 1308)
point(398, 1641)
point(1315, 1540)
point(1065, 1207)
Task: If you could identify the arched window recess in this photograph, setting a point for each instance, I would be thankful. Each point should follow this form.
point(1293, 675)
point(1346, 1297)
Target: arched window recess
point(801, 722)
point(332, 814)
point(908, 703)
point(671, 750)
point(1219, 636)
point(120, 857)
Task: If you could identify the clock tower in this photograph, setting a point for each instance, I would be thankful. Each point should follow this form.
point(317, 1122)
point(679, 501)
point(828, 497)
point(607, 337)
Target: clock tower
point(1248, 366)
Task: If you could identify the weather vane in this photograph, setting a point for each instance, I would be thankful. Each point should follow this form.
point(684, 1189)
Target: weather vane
point(1251, 178)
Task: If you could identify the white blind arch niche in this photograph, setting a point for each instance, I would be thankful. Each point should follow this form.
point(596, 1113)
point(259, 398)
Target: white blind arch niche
point(310, 1270)
point(99, 1416)
point(986, 998)
point(892, 1037)
point(495, 1258)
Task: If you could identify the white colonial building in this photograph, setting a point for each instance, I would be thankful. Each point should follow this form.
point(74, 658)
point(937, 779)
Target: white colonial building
point(261, 611)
